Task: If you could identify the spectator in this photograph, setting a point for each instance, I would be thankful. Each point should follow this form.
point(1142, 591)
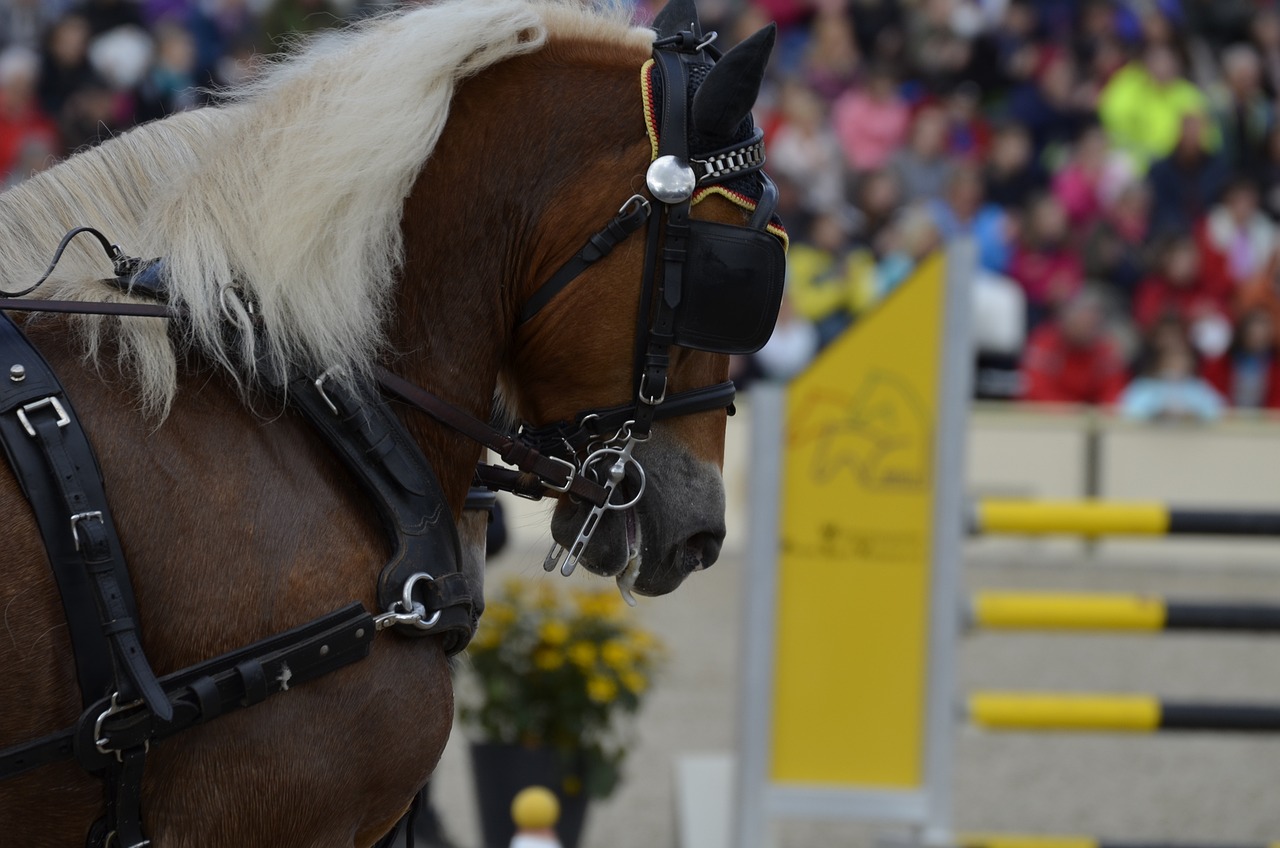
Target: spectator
point(1082, 183)
point(106, 15)
point(1264, 34)
point(1237, 239)
point(1185, 184)
point(828, 284)
point(23, 127)
point(1012, 174)
point(170, 84)
point(913, 237)
point(1248, 374)
point(871, 121)
point(65, 64)
point(961, 212)
point(1242, 108)
point(1115, 251)
point(1168, 387)
point(968, 134)
point(1044, 263)
point(877, 198)
point(1050, 106)
point(23, 22)
point(1267, 175)
point(831, 63)
point(1144, 105)
point(922, 167)
point(1179, 290)
point(804, 149)
point(1072, 359)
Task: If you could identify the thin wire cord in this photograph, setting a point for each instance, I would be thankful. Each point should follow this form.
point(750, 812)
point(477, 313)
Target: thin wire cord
point(113, 253)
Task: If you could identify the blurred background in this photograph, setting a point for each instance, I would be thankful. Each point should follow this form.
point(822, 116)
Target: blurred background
point(1117, 163)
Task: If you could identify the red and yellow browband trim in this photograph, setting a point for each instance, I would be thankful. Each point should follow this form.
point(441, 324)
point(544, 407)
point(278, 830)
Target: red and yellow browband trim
point(651, 127)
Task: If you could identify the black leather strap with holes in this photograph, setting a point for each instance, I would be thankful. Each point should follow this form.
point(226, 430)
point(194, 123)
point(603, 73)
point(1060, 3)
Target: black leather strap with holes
point(52, 459)
point(201, 693)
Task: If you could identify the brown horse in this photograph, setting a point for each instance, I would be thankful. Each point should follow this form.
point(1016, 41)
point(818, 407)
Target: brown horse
point(366, 230)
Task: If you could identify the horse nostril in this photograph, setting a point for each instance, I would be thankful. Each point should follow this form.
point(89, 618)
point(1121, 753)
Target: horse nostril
point(702, 550)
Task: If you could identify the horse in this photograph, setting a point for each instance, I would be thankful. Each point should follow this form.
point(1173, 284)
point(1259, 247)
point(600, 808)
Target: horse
point(387, 198)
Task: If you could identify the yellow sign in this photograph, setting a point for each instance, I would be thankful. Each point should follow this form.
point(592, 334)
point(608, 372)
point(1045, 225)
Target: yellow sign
point(856, 539)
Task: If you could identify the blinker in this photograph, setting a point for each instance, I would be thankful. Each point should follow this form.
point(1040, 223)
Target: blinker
point(671, 180)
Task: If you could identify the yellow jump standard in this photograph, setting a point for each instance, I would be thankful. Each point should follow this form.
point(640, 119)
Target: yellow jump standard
point(1114, 713)
point(1001, 610)
point(1104, 518)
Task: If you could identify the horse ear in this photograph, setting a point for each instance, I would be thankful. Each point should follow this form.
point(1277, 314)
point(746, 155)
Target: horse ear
point(676, 16)
point(726, 96)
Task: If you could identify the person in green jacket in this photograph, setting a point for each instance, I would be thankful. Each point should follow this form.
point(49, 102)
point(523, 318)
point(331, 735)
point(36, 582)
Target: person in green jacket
point(1143, 105)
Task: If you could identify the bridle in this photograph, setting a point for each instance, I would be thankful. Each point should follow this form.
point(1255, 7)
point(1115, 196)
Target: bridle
point(678, 254)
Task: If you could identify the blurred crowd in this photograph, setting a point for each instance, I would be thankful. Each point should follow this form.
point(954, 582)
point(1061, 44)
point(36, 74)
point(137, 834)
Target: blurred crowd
point(1116, 163)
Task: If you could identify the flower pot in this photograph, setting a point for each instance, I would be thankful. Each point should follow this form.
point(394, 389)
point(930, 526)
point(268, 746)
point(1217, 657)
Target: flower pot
point(500, 771)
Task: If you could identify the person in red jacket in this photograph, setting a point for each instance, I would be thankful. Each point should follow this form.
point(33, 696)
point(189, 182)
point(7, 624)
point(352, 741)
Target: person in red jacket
point(22, 124)
point(1248, 374)
point(1072, 359)
point(1182, 289)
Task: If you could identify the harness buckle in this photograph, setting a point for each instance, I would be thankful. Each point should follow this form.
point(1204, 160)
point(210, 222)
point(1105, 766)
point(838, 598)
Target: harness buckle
point(63, 418)
point(75, 523)
point(101, 742)
point(644, 394)
point(572, 473)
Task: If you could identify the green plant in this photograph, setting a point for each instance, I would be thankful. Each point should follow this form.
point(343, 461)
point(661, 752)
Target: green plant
point(559, 672)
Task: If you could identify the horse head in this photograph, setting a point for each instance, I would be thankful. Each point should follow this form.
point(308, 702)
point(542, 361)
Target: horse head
point(644, 334)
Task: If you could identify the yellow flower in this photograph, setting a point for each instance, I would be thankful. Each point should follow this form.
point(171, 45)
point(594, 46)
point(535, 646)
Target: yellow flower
point(615, 654)
point(486, 639)
point(635, 682)
point(514, 587)
point(554, 633)
point(583, 654)
point(545, 659)
point(500, 614)
point(600, 689)
point(546, 598)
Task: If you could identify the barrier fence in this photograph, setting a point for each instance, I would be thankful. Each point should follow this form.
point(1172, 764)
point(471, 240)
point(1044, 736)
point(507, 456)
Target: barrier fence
point(857, 524)
point(1093, 519)
point(1114, 713)
point(1097, 611)
point(1014, 840)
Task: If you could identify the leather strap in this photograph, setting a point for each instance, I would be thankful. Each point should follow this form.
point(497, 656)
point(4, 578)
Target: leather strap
point(557, 474)
point(630, 218)
point(379, 451)
point(205, 691)
point(52, 458)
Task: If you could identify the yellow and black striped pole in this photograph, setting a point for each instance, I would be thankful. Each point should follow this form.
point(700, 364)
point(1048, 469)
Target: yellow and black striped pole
point(1114, 713)
point(1110, 518)
point(1027, 840)
point(1010, 610)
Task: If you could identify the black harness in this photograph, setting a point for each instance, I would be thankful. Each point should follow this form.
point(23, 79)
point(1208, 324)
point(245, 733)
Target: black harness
point(707, 286)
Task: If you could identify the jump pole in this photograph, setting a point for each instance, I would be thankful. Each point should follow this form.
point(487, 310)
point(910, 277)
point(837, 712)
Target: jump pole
point(1108, 518)
point(1097, 611)
point(1028, 840)
point(1075, 712)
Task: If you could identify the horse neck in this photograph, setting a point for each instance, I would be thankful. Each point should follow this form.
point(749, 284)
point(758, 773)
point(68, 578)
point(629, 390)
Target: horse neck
point(527, 167)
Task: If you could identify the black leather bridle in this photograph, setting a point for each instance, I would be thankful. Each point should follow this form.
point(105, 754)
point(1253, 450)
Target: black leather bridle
point(678, 251)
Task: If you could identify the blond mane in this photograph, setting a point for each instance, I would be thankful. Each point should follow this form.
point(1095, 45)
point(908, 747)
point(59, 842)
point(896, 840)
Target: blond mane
point(290, 192)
